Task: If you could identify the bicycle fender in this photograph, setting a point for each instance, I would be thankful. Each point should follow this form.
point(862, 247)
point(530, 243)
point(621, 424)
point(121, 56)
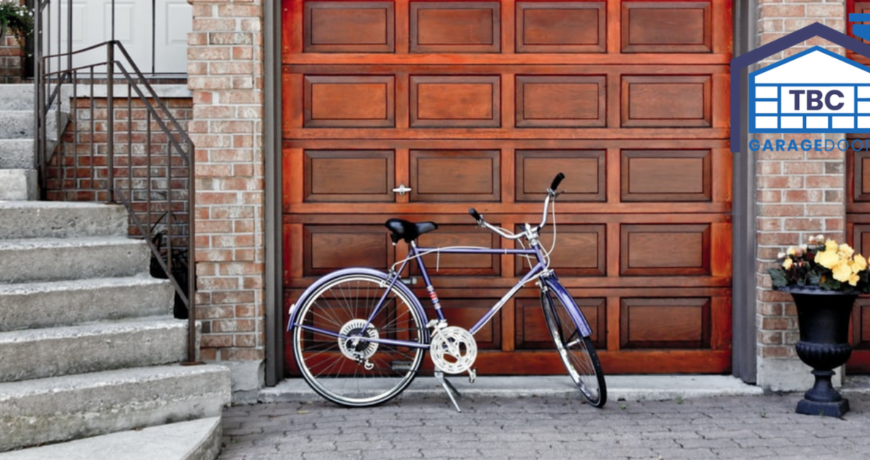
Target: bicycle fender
point(294, 309)
point(566, 299)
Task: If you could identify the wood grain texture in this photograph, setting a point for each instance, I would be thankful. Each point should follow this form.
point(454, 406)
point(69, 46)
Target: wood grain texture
point(667, 101)
point(665, 323)
point(349, 101)
point(670, 175)
point(455, 101)
point(349, 27)
point(455, 175)
point(535, 170)
point(665, 250)
point(455, 27)
point(560, 27)
point(349, 176)
point(563, 101)
point(666, 27)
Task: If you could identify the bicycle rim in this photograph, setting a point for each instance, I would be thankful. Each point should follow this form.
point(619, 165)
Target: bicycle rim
point(334, 367)
point(577, 352)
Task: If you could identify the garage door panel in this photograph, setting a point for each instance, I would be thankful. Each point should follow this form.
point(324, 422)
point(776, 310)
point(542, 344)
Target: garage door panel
point(667, 101)
point(349, 176)
point(560, 27)
point(666, 27)
point(455, 175)
point(455, 101)
point(455, 27)
point(561, 101)
point(349, 101)
point(668, 175)
point(535, 170)
point(531, 326)
point(327, 248)
point(458, 264)
point(665, 250)
point(349, 27)
point(665, 323)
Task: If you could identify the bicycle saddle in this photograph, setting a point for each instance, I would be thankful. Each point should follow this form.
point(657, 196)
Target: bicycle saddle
point(408, 231)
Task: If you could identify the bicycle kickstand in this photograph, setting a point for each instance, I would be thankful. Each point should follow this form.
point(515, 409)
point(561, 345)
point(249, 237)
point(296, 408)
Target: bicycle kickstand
point(452, 392)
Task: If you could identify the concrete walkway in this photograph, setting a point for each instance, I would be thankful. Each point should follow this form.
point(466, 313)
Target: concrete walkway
point(666, 417)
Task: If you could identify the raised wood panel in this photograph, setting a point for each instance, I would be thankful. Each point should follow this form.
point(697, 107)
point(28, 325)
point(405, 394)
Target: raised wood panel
point(667, 101)
point(531, 332)
point(666, 175)
point(581, 251)
point(560, 27)
point(455, 27)
point(349, 176)
point(861, 325)
point(327, 248)
point(666, 27)
point(561, 101)
point(465, 313)
point(861, 238)
point(862, 175)
point(460, 264)
point(664, 323)
point(455, 101)
point(455, 175)
point(349, 27)
point(585, 172)
point(665, 250)
point(349, 101)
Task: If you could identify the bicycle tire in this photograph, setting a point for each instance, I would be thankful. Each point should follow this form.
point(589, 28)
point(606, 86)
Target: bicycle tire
point(577, 352)
point(329, 364)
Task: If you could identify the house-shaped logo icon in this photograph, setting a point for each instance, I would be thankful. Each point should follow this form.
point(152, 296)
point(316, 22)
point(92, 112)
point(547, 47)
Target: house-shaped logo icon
point(815, 91)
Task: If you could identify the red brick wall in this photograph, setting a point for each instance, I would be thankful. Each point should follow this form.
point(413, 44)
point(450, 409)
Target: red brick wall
point(11, 60)
point(225, 68)
point(800, 194)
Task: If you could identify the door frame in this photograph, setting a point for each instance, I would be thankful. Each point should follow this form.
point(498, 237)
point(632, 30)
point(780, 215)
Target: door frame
point(743, 204)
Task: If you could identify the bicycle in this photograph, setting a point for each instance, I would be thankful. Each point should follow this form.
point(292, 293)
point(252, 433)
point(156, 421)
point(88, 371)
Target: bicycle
point(359, 335)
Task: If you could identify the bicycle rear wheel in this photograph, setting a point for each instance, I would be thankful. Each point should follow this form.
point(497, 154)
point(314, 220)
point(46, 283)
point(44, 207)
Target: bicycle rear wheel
point(363, 373)
point(577, 352)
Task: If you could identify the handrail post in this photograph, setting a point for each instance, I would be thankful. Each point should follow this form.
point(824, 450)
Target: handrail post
point(191, 256)
point(110, 119)
point(37, 72)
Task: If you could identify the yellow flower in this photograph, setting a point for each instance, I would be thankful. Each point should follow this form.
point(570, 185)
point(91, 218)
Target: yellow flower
point(831, 245)
point(859, 263)
point(787, 264)
point(842, 272)
point(791, 251)
point(846, 251)
point(853, 279)
point(828, 259)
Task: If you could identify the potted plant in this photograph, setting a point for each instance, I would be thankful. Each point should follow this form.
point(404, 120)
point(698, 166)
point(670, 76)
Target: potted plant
point(824, 278)
point(17, 19)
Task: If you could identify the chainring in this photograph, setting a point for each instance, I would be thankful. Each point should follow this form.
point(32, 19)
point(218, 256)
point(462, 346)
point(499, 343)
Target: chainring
point(453, 349)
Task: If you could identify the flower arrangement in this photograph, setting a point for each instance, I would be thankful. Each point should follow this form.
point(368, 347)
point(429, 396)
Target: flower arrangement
point(16, 18)
point(823, 264)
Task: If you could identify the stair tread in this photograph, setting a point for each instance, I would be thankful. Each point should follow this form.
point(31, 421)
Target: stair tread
point(173, 441)
point(95, 328)
point(79, 241)
point(36, 205)
point(142, 279)
point(10, 391)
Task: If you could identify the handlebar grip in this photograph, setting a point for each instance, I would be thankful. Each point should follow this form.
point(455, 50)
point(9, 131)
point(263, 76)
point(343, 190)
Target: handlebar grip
point(556, 181)
point(475, 214)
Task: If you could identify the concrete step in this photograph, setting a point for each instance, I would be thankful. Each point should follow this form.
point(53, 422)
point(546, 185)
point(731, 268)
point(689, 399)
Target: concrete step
point(53, 259)
point(18, 124)
point(52, 219)
point(16, 97)
point(194, 440)
point(56, 409)
point(93, 347)
point(18, 185)
point(65, 303)
point(18, 153)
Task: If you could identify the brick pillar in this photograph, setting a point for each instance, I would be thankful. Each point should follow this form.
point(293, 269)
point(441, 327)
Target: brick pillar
point(225, 67)
point(799, 194)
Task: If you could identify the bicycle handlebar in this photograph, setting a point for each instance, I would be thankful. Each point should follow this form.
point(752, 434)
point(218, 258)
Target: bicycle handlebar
point(551, 194)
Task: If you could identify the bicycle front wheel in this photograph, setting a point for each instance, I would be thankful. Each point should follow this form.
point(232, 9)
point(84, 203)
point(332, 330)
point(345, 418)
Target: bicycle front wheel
point(327, 344)
point(577, 352)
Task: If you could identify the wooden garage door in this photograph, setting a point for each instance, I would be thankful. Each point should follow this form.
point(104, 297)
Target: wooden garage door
point(482, 103)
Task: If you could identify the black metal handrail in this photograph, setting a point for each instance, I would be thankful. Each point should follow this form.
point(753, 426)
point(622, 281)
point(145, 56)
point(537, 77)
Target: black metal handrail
point(79, 175)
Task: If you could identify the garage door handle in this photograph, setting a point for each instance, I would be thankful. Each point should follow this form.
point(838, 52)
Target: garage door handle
point(401, 190)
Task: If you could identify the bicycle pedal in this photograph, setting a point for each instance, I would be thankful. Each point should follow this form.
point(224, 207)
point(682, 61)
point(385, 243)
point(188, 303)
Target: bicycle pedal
point(472, 375)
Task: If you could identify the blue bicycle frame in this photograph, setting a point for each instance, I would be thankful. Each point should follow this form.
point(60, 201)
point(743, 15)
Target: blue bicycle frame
point(549, 283)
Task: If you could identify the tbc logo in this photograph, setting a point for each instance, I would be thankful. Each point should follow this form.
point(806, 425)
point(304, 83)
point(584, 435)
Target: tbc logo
point(815, 91)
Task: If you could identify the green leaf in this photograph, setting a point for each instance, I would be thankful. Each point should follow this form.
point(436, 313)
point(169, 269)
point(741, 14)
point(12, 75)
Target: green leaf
point(777, 275)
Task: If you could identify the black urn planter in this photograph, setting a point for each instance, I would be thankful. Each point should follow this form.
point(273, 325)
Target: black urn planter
point(823, 318)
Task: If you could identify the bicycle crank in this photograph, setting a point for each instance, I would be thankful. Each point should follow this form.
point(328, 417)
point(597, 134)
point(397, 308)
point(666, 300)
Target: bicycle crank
point(453, 350)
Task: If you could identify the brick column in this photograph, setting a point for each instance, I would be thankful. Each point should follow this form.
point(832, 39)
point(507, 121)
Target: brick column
point(225, 67)
point(799, 194)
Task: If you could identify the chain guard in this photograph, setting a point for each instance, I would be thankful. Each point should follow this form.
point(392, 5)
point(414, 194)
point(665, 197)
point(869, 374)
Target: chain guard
point(453, 349)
